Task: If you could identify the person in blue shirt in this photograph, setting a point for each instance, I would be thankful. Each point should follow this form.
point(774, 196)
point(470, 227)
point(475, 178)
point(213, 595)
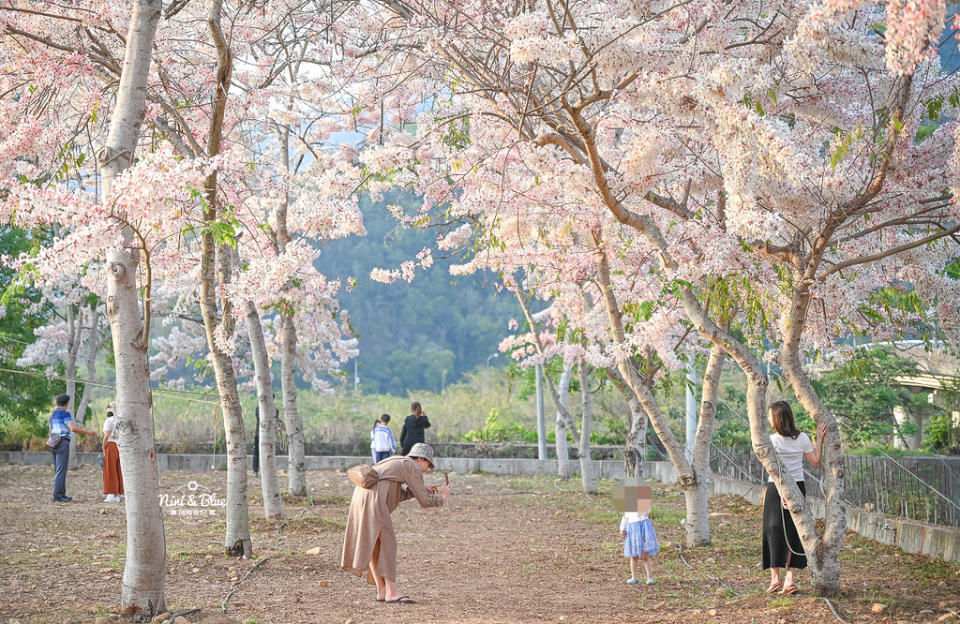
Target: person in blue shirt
point(61, 423)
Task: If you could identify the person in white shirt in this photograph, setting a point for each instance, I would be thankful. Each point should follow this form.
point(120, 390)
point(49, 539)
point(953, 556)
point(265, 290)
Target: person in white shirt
point(112, 476)
point(382, 442)
point(781, 542)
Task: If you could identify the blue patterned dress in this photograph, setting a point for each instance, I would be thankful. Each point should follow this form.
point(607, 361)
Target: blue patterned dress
point(641, 537)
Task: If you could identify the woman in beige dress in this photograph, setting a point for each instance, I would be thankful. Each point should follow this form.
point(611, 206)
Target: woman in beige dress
point(370, 542)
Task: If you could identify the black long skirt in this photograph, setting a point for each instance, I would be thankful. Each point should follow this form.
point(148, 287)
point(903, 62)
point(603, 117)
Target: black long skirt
point(778, 528)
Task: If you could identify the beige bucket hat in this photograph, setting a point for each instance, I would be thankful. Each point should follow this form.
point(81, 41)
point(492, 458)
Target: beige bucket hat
point(424, 451)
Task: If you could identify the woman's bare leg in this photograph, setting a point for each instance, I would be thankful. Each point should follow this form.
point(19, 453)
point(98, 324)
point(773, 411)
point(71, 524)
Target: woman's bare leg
point(374, 559)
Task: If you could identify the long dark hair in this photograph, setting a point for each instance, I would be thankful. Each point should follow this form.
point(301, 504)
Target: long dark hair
point(782, 417)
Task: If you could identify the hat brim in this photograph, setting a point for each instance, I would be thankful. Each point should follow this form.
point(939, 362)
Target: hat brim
point(424, 459)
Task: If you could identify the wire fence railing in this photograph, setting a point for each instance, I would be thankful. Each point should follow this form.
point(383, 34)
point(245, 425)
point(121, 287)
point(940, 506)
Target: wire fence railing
point(926, 489)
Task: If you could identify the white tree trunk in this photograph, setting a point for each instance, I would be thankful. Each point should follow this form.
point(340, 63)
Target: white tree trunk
point(697, 522)
point(824, 568)
point(296, 463)
point(638, 386)
point(237, 540)
point(272, 502)
point(90, 365)
point(587, 475)
point(145, 568)
point(75, 332)
point(296, 451)
point(823, 553)
point(216, 267)
point(634, 451)
point(94, 344)
point(563, 455)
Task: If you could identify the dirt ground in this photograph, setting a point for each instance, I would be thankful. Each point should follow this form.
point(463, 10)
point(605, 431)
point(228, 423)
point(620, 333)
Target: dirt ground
point(503, 549)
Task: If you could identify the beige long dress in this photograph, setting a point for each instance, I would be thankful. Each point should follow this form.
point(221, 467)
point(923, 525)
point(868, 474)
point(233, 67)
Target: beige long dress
point(370, 535)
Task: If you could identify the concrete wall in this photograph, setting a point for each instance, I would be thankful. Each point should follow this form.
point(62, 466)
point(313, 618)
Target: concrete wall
point(935, 541)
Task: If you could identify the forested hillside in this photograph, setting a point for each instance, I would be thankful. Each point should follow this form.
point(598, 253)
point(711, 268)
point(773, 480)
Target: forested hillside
point(419, 335)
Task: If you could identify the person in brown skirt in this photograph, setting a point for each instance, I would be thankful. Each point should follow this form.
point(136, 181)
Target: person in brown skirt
point(112, 476)
point(370, 543)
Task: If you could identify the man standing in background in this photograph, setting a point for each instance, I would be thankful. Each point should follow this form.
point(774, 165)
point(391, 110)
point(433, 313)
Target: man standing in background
point(61, 424)
point(413, 428)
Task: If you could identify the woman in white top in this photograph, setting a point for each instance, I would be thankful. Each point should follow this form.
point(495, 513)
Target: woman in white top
point(112, 476)
point(781, 542)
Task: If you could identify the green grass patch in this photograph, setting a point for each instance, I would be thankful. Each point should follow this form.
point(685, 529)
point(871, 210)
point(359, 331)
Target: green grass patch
point(782, 602)
point(666, 516)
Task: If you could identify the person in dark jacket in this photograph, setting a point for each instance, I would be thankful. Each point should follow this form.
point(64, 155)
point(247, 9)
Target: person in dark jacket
point(413, 428)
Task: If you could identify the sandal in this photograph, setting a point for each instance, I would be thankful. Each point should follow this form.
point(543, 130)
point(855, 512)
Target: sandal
point(789, 589)
point(775, 586)
point(402, 600)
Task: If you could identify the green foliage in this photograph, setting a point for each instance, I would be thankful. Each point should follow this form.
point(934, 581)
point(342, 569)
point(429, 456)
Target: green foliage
point(494, 430)
point(840, 146)
point(22, 432)
point(882, 450)
point(943, 432)
point(526, 378)
point(410, 333)
point(862, 394)
point(610, 429)
point(731, 429)
point(22, 397)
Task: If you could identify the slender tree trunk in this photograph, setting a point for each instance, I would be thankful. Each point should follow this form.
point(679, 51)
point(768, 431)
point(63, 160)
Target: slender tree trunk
point(75, 331)
point(237, 540)
point(216, 266)
point(144, 572)
point(587, 475)
point(272, 502)
point(296, 462)
point(94, 344)
point(562, 409)
point(698, 511)
point(296, 451)
point(823, 553)
point(563, 456)
point(90, 365)
point(635, 447)
point(692, 481)
point(637, 386)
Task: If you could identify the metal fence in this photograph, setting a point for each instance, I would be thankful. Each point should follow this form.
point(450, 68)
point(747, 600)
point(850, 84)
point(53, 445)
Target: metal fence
point(917, 488)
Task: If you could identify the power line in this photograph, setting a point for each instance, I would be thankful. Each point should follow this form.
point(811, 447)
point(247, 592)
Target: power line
point(176, 394)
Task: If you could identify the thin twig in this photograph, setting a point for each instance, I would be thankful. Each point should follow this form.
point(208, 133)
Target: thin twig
point(181, 613)
point(236, 584)
point(834, 611)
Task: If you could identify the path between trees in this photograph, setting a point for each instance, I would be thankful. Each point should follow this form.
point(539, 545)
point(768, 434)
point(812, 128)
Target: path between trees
point(504, 549)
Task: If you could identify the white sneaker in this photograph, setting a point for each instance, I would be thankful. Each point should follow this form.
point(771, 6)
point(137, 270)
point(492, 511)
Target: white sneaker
point(632, 581)
point(650, 581)
point(112, 498)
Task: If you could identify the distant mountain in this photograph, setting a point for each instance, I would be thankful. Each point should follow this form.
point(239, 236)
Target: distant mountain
point(420, 335)
point(949, 56)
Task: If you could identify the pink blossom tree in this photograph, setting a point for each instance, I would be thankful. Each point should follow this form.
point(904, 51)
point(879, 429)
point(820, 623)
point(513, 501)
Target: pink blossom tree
point(761, 158)
point(51, 96)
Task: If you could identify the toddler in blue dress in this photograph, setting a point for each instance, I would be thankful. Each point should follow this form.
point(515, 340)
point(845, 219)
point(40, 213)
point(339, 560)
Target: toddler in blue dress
point(639, 537)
